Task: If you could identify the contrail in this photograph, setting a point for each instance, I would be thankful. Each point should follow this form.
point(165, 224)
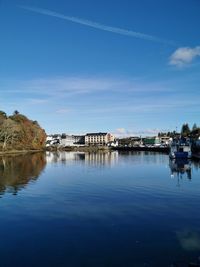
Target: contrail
point(99, 26)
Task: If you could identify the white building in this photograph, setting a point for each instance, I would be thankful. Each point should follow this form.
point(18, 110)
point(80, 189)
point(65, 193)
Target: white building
point(72, 140)
point(53, 139)
point(98, 138)
point(66, 140)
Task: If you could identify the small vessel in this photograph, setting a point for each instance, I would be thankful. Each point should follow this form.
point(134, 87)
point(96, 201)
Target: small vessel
point(180, 148)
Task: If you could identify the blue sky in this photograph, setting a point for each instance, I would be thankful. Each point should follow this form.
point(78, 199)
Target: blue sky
point(128, 67)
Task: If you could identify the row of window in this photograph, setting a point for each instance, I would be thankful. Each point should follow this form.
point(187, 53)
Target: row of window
point(96, 139)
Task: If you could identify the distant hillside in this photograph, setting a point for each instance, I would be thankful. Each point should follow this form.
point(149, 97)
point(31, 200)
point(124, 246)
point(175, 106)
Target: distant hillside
point(17, 132)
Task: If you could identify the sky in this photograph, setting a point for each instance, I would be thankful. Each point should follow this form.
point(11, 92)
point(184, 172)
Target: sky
point(129, 67)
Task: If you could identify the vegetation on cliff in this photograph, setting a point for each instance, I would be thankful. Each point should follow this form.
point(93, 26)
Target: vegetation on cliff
point(17, 132)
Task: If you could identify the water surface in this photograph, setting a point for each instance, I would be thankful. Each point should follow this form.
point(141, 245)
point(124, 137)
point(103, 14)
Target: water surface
point(99, 209)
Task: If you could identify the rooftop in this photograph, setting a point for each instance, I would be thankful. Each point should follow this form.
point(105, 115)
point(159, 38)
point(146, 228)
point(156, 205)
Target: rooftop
point(96, 134)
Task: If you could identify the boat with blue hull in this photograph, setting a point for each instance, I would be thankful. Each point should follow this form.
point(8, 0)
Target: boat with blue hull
point(180, 149)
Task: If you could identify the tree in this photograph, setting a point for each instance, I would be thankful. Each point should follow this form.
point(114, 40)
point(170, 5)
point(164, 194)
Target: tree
point(8, 132)
point(16, 112)
point(3, 114)
point(36, 123)
point(194, 127)
point(18, 132)
point(3, 117)
point(185, 130)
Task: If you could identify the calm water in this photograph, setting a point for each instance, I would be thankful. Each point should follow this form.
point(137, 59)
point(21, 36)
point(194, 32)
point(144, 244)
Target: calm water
point(104, 209)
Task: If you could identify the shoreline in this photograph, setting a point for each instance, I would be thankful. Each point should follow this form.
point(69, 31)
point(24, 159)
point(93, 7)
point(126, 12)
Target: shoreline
point(17, 152)
point(91, 149)
point(105, 148)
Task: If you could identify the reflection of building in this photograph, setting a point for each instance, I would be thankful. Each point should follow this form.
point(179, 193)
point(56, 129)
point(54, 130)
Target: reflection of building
point(180, 167)
point(90, 158)
point(57, 156)
point(101, 158)
point(98, 138)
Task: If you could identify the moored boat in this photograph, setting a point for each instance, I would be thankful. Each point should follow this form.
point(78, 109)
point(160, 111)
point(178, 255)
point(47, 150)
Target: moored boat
point(180, 149)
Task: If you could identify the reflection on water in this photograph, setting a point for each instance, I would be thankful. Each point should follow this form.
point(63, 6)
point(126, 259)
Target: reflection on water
point(99, 209)
point(106, 158)
point(143, 157)
point(179, 167)
point(16, 171)
point(196, 164)
point(89, 158)
point(189, 240)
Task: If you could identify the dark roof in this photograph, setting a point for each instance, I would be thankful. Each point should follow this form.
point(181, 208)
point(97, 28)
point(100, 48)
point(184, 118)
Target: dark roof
point(96, 134)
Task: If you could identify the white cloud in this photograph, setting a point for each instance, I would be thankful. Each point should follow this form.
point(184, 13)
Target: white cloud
point(36, 101)
point(60, 87)
point(63, 111)
point(121, 131)
point(184, 55)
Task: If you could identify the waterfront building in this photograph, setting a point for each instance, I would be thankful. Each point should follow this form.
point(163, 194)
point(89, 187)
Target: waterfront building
point(101, 139)
point(72, 140)
point(165, 139)
point(53, 139)
point(67, 140)
point(79, 139)
point(157, 140)
point(130, 141)
point(151, 141)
